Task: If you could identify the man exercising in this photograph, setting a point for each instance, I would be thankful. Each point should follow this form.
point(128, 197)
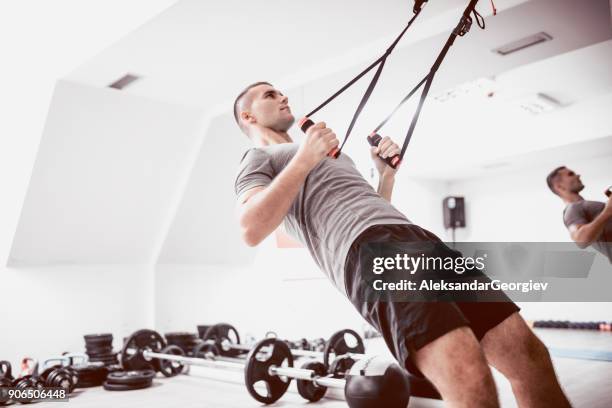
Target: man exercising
point(327, 205)
point(589, 222)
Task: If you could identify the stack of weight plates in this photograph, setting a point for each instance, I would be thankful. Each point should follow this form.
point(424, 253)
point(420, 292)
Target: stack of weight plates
point(202, 328)
point(129, 380)
point(99, 348)
point(185, 340)
point(91, 375)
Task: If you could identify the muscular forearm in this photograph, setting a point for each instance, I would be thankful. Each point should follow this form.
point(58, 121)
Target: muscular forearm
point(264, 212)
point(587, 233)
point(385, 187)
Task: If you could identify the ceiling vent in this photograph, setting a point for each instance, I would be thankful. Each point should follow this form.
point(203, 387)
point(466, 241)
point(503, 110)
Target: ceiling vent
point(493, 166)
point(523, 43)
point(539, 103)
point(124, 81)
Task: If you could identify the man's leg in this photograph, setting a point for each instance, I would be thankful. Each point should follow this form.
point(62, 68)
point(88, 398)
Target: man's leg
point(456, 365)
point(513, 349)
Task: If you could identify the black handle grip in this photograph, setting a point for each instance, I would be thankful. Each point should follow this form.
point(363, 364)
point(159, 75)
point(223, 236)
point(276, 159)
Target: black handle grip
point(305, 123)
point(393, 161)
point(609, 191)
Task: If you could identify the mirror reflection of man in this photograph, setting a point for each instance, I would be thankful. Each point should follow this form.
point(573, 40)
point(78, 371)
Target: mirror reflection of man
point(589, 222)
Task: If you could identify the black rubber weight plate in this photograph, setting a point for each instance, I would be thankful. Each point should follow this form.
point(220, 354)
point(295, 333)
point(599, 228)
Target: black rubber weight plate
point(98, 336)
point(257, 370)
point(139, 342)
point(123, 387)
point(338, 345)
point(308, 389)
point(130, 377)
point(171, 368)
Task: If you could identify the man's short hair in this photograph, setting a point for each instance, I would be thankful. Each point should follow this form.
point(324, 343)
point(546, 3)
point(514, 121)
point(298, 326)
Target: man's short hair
point(241, 95)
point(552, 177)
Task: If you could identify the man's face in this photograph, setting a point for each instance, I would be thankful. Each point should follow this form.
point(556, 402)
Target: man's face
point(269, 107)
point(569, 181)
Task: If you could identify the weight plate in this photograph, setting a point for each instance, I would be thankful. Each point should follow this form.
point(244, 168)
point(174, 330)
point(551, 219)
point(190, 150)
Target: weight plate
point(308, 389)
point(45, 374)
point(107, 354)
point(341, 366)
point(338, 345)
point(124, 387)
point(98, 349)
point(5, 383)
point(202, 328)
point(258, 366)
point(130, 377)
point(223, 332)
point(91, 375)
point(131, 354)
point(6, 370)
point(203, 350)
point(98, 336)
point(171, 368)
point(180, 336)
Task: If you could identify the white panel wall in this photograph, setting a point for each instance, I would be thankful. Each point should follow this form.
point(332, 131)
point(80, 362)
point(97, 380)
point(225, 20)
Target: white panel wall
point(46, 311)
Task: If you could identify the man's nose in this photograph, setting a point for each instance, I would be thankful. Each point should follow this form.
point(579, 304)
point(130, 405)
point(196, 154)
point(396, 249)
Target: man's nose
point(285, 99)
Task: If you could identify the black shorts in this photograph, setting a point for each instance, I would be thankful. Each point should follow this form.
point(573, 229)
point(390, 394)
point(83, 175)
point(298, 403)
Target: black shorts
point(409, 326)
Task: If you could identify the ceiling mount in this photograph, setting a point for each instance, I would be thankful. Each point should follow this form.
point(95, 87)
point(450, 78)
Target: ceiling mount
point(523, 43)
point(124, 81)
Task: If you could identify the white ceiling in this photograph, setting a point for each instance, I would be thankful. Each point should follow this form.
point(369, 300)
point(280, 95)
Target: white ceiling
point(201, 52)
point(146, 174)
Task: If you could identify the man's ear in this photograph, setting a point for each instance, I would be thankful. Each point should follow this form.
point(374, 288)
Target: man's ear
point(247, 117)
point(558, 187)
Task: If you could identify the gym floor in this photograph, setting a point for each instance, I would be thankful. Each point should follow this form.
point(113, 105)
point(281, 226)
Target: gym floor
point(587, 383)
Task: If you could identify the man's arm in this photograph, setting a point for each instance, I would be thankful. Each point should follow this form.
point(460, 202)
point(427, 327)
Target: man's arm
point(262, 209)
point(386, 173)
point(585, 234)
point(385, 186)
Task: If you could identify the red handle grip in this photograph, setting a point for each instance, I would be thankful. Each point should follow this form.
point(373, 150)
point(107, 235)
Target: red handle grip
point(305, 123)
point(393, 161)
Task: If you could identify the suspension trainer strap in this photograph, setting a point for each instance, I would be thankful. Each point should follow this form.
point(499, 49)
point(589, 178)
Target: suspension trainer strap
point(380, 62)
point(461, 29)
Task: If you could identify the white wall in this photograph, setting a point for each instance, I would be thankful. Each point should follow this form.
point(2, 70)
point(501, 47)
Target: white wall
point(46, 311)
point(519, 207)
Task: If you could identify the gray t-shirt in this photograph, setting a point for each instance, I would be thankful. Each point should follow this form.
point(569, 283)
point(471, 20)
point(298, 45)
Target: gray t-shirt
point(333, 207)
point(583, 212)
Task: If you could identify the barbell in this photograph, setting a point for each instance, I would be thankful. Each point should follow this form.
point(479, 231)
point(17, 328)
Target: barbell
point(270, 362)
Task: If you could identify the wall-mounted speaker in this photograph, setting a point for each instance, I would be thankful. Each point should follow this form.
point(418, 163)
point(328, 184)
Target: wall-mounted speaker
point(453, 212)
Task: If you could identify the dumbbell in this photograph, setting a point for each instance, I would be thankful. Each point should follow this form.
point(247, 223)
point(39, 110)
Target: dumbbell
point(6, 380)
point(271, 361)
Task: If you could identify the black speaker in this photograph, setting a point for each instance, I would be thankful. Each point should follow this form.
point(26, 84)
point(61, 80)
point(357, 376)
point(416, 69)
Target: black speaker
point(454, 212)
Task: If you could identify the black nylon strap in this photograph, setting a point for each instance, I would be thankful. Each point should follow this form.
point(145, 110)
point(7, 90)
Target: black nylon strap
point(380, 62)
point(381, 59)
point(461, 29)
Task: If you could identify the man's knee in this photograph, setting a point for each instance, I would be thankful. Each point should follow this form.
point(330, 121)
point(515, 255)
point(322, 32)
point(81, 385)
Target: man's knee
point(534, 357)
point(456, 365)
point(514, 349)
